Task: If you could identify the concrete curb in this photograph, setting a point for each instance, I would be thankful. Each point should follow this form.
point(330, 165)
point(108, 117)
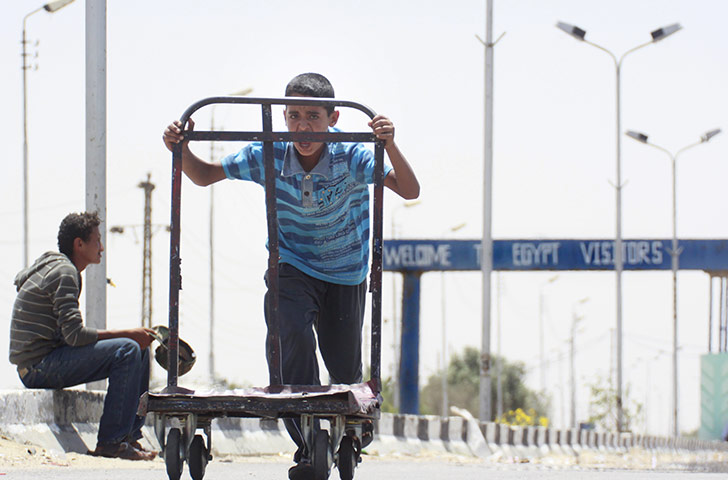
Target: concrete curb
point(67, 421)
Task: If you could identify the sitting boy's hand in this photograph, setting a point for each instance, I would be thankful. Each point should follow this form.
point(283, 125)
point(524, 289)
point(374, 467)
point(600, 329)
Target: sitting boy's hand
point(383, 128)
point(142, 335)
point(173, 134)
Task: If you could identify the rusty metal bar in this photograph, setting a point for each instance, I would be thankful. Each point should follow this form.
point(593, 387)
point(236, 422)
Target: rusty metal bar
point(319, 102)
point(261, 407)
point(175, 277)
point(232, 136)
point(253, 407)
point(376, 273)
point(273, 342)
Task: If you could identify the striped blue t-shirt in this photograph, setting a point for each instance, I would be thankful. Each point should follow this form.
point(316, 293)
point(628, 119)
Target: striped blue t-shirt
point(323, 215)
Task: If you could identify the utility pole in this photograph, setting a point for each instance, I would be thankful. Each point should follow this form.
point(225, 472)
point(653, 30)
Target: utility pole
point(148, 187)
point(486, 255)
point(146, 318)
point(95, 282)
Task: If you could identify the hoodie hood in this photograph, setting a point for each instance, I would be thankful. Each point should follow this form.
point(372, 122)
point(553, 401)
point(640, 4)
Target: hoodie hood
point(47, 259)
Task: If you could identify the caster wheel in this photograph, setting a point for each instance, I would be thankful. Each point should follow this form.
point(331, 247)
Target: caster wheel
point(321, 455)
point(347, 458)
point(173, 455)
point(198, 457)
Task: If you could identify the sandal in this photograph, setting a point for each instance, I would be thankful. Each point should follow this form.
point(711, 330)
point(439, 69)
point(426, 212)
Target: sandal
point(122, 450)
point(138, 446)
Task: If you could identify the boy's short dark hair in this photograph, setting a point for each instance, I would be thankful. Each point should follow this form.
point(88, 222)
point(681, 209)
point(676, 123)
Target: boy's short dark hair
point(76, 225)
point(311, 85)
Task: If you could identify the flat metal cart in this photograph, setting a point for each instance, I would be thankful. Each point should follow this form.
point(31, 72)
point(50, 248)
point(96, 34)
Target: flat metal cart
point(350, 409)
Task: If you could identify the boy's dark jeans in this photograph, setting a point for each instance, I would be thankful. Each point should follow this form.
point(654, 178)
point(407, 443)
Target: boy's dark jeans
point(336, 312)
point(118, 359)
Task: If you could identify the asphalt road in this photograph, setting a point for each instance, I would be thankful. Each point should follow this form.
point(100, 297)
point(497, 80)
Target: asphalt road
point(431, 469)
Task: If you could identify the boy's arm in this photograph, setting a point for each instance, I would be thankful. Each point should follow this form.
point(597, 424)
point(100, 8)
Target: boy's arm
point(63, 289)
point(142, 335)
point(199, 171)
point(401, 179)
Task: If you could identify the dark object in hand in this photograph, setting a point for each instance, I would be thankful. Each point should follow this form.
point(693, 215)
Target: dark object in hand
point(187, 356)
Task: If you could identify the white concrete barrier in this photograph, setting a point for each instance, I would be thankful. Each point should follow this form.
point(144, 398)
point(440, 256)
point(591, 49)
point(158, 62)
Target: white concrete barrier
point(67, 421)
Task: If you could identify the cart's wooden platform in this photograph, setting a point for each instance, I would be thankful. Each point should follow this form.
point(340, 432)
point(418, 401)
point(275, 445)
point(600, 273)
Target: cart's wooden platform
point(280, 401)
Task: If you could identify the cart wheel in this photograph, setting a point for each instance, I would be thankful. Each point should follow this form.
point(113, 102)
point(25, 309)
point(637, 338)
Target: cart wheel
point(347, 458)
point(173, 454)
point(321, 455)
point(197, 459)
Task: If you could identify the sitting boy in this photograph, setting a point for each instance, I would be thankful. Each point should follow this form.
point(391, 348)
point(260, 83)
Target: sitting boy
point(53, 349)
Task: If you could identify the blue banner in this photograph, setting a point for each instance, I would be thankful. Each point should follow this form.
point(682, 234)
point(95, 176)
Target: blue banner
point(650, 254)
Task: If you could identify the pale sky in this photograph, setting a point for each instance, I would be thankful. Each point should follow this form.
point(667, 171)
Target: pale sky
point(554, 159)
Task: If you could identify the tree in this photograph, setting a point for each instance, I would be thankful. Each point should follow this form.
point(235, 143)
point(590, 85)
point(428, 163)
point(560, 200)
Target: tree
point(463, 380)
point(603, 406)
point(387, 395)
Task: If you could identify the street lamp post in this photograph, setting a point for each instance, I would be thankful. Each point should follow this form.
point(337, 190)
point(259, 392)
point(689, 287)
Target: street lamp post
point(657, 35)
point(674, 254)
point(395, 329)
point(445, 399)
point(50, 8)
point(572, 374)
point(572, 354)
point(562, 387)
point(241, 93)
point(499, 357)
point(541, 355)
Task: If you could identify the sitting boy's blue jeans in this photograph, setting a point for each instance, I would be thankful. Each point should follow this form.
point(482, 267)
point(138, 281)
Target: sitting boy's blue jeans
point(118, 359)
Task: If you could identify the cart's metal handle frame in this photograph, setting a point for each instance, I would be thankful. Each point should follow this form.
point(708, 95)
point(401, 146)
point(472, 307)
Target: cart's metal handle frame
point(267, 136)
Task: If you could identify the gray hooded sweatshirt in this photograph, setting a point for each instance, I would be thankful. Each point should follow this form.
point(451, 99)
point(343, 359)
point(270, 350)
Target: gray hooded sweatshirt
point(46, 314)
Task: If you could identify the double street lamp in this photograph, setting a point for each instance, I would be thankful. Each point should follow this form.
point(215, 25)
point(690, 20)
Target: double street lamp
point(657, 35)
point(50, 8)
point(674, 253)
